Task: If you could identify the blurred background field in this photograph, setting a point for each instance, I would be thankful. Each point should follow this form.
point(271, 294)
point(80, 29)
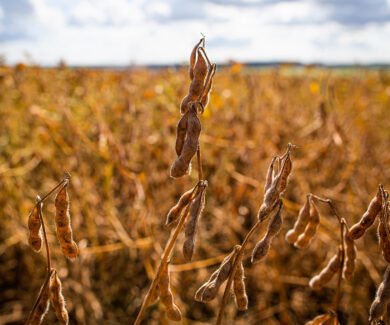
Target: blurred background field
point(114, 132)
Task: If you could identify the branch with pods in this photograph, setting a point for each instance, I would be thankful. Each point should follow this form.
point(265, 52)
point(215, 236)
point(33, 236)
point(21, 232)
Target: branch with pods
point(188, 210)
point(231, 269)
point(343, 262)
point(51, 290)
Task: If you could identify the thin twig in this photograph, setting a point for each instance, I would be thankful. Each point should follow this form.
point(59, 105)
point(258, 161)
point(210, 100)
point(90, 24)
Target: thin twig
point(65, 180)
point(44, 237)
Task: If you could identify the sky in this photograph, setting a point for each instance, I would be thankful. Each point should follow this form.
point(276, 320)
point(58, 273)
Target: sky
point(123, 32)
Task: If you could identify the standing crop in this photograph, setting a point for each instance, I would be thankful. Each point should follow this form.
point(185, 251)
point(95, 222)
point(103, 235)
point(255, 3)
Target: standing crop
point(187, 212)
point(51, 289)
point(231, 268)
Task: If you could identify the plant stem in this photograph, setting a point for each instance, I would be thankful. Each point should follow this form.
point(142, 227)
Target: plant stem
point(234, 268)
point(65, 180)
point(164, 260)
point(45, 237)
point(37, 301)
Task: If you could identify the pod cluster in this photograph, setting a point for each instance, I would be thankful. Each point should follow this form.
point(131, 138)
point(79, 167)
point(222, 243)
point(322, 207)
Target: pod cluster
point(306, 225)
point(208, 291)
point(189, 127)
point(232, 268)
point(62, 221)
point(275, 183)
point(51, 295)
point(191, 205)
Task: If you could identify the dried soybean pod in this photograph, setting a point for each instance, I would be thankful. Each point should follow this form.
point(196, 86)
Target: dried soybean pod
point(368, 218)
point(63, 226)
point(181, 165)
point(209, 84)
point(198, 83)
point(274, 190)
point(350, 258)
point(327, 273)
point(215, 281)
point(57, 299)
point(268, 179)
point(300, 223)
point(34, 226)
point(201, 67)
point(37, 317)
point(384, 240)
point(173, 312)
point(193, 58)
point(262, 247)
point(241, 298)
point(181, 131)
point(196, 209)
point(175, 211)
point(199, 292)
point(285, 173)
point(270, 198)
point(382, 298)
point(304, 239)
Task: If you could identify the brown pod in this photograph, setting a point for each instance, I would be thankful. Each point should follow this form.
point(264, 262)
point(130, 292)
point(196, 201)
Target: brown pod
point(34, 226)
point(240, 296)
point(173, 312)
point(262, 247)
point(200, 291)
point(193, 58)
point(209, 291)
point(196, 209)
point(63, 226)
point(327, 273)
point(382, 298)
point(269, 177)
point(198, 83)
point(368, 218)
point(181, 165)
point(201, 67)
point(284, 174)
point(300, 223)
point(57, 300)
point(37, 317)
point(350, 258)
point(305, 238)
point(269, 202)
point(209, 84)
point(175, 211)
point(194, 92)
point(181, 131)
point(384, 240)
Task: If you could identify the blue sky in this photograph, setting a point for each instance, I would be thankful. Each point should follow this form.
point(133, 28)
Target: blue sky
point(120, 32)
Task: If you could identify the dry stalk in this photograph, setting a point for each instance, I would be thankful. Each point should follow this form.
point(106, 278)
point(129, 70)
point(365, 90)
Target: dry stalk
point(37, 313)
point(271, 201)
point(201, 73)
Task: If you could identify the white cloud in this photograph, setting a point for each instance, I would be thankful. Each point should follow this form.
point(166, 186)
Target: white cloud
point(92, 32)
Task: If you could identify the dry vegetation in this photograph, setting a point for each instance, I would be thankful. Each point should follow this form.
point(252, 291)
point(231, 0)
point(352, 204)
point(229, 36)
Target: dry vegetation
point(114, 132)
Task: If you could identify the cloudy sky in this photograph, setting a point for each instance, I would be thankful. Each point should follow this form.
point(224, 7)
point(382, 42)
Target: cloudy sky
point(120, 32)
